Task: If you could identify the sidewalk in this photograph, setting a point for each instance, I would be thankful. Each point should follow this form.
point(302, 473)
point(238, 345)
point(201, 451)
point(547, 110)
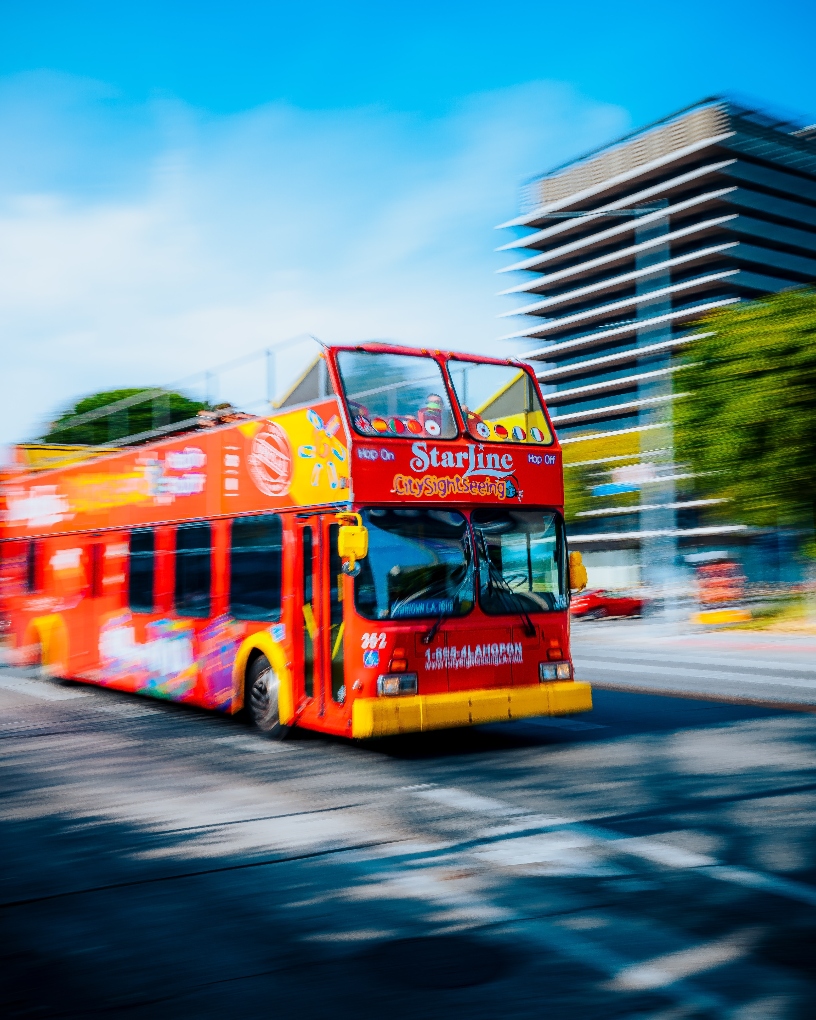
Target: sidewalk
point(769, 667)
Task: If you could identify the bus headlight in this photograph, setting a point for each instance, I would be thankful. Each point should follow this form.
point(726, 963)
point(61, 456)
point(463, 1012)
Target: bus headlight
point(393, 684)
point(554, 671)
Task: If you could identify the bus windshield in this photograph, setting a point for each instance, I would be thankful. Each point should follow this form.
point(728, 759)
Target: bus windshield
point(522, 556)
point(499, 403)
point(419, 563)
point(396, 395)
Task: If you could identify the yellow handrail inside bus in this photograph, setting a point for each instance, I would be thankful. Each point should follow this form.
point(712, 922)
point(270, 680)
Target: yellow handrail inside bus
point(308, 616)
point(337, 642)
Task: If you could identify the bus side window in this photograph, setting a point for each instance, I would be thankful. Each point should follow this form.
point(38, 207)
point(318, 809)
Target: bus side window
point(256, 551)
point(97, 569)
point(193, 569)
point(12, 564)
point(142, 563)
point(33, 574)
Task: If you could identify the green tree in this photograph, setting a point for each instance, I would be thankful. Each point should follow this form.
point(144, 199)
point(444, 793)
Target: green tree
point(164, 409)
point(748, 422)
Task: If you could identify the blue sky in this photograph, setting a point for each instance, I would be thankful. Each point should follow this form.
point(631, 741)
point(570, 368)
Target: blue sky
point(185, 182)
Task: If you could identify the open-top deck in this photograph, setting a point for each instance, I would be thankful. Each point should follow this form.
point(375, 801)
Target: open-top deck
point(392, 425)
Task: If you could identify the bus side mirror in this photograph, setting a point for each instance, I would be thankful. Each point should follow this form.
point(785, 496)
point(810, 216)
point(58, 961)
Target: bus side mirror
point(352, 542)
point(577, 572)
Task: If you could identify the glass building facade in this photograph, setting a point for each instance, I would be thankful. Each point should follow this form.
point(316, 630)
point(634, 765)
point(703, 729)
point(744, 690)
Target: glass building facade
point(616, 256)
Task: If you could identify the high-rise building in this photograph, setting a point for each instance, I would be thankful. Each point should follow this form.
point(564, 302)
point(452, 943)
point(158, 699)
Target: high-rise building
point(619, 253)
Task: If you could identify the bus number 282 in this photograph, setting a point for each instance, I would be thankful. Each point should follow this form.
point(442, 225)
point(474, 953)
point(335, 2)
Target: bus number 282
point(374, 640)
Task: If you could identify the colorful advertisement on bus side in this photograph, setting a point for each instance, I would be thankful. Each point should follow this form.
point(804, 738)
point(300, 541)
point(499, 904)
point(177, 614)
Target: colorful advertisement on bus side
point(175, 659)
point(296, 458)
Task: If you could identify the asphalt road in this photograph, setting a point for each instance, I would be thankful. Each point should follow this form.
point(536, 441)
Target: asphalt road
point(652, 859)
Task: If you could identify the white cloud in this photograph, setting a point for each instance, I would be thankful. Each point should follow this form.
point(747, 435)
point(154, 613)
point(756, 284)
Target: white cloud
point(140, 244)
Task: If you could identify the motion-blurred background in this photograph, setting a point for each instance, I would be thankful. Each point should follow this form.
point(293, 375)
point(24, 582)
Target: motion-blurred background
point(194, 196)
point(188, 194)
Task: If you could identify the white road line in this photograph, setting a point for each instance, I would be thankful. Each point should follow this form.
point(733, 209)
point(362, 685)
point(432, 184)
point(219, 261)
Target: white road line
point(692, 673)
point(15, 725)
point(559, 853)
point(39, 689)
point(663, 853)
point(764, 883)
point(361, 935)
point(45, 690)
point(653, 850)
point(669, 968)
point(599, 957)
point(461, 800)
point(246, 743)
point(675, 655)
point(123, 709)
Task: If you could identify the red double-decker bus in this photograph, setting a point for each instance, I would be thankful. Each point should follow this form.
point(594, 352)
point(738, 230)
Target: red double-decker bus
point(384, 555)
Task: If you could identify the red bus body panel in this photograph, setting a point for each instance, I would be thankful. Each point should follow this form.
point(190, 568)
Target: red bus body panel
point(68, 601)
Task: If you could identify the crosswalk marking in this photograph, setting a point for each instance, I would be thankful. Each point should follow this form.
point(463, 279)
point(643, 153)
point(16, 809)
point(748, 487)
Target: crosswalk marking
point(692, 673)
point(600, 839)
point(673, 655)
point(667, 969)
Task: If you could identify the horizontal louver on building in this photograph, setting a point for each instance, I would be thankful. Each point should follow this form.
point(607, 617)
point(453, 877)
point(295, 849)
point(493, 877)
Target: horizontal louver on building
point(618, 254)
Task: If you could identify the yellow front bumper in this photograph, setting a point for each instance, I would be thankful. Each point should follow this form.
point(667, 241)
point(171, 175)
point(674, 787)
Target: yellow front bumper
point(380, 717)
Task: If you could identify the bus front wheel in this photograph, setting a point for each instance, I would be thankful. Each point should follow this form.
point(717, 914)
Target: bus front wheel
point(261, 697)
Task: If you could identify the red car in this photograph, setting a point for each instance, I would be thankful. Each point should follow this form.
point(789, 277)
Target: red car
point(597, 604)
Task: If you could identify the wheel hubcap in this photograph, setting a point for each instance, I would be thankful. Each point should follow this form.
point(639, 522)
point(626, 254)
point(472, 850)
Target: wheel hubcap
point(259, 695)
point(262, 700)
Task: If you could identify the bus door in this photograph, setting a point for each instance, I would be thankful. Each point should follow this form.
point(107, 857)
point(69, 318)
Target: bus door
point(321, 644)
point(306, 610)
point(333, 629)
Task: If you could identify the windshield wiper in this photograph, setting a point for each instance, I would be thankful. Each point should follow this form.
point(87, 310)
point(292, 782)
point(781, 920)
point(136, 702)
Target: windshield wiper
point(505, 590)
point(430, 634)
point(496, 579)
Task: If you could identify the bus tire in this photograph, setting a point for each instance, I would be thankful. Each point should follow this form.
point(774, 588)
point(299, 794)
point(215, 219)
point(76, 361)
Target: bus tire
point(261, 698)
point(36, 664)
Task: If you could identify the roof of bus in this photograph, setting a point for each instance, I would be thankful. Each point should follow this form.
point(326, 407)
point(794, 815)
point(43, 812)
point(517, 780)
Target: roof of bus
point(383, 347)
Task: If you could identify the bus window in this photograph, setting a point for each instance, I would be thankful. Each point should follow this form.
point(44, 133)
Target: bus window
point(396, 394)
point(336, 627)
point(499, 403)
point(419, 564)
point(255, 568)
point(522, 560)
point(308, 614)
point(97, 568)
point(142, 562)
point(193, 569)
point(33, 574)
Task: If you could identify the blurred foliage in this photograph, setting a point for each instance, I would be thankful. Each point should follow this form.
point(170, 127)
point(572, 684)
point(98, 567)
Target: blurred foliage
point(167, 409)
point(783, 613)
point(618, 499)
point(748, 424)
point(577, 495)
point(591, 446)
